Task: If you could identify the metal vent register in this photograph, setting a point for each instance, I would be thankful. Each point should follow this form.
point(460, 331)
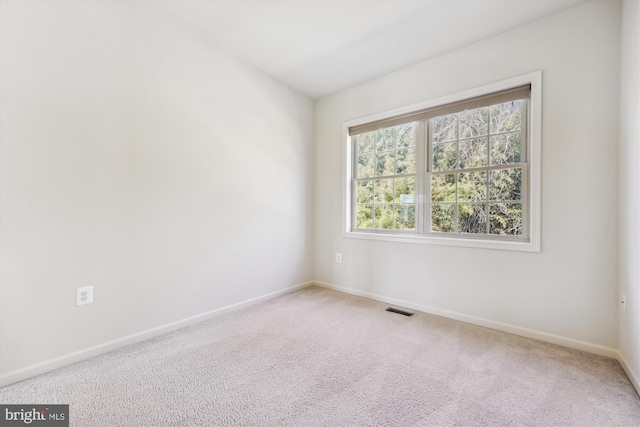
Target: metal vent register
point(395, 310)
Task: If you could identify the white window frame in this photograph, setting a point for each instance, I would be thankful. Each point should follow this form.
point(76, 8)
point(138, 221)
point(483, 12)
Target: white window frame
point(531, 190)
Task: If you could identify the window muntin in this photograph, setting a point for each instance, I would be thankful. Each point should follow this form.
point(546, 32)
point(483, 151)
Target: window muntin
point(471, 183)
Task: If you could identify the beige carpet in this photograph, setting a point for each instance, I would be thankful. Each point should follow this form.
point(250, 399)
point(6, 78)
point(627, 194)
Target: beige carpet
point(321, 358)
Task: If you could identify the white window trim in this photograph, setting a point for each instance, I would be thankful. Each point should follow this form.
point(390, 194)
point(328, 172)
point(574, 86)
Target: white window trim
point(534, 152)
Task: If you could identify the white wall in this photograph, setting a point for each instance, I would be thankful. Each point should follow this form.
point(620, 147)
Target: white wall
point(630, 189)
point(139, 160)
point(569, 289)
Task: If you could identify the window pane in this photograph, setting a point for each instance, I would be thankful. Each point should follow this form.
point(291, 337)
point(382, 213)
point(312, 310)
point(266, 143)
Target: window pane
point(383, 215)
point(385, 164)
point(445, 156)
point(445, 128)
point(474, 122)
point(364, 192)
point(364, 218)
point(506, 148)
point(405, 161)
point(443, 218)
point(505, 218)
point(385, 139)
point(405, 217)
point(473, 153)
point(383, 191)
point(472, 186)
point(405, 190)
point(365, 142)
point(365, 167)
point(472, 218)
point(505, 184)
point(406, 135)
point(443, 188)
point(505, 117)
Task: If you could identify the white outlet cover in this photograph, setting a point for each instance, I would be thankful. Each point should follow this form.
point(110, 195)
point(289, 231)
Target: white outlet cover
point(338, 257)
point(84, 295)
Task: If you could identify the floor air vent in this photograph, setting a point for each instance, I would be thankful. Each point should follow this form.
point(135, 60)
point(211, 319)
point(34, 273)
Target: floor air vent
point(395, 310)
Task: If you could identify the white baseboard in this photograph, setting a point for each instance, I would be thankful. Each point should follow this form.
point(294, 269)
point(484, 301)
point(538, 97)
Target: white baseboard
point(627, 369)
point(68, 359)
point(78, 356)
point(516, 330)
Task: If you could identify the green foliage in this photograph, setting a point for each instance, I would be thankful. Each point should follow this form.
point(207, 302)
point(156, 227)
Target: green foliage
point(443, 218)
point(443, 188)
point(405, 135)
point(406, 161)
point(383, 215)
point(385, 165)
point(472, 218)
point(383, 190)
point(505, 218)
point(364, 217)
point(472, 186)
point(364, 192)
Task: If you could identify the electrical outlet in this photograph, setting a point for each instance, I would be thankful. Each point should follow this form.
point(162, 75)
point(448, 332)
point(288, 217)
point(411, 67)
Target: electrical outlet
point(623, 301)
point(84, 295)
point(338, 257)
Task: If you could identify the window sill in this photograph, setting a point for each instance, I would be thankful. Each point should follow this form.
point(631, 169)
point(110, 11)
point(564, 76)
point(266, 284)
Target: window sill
point(507, 245)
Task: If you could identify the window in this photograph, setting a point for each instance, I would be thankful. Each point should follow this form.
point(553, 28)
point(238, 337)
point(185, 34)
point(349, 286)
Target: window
point(456, 173)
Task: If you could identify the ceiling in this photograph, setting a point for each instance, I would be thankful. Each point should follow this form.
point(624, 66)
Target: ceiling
point(319, 47)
